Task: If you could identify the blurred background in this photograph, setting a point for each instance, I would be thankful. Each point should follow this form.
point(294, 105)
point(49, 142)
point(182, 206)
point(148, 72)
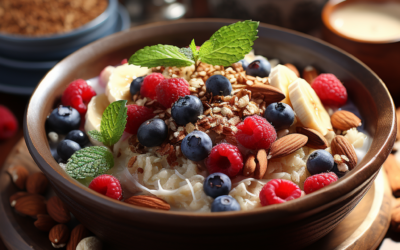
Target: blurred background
point(36, 34)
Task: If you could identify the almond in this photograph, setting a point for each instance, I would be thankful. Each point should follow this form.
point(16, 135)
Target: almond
point(19, 174)
point(262, 164)
point(148, 201)
point(309, 74)
point(16, 196)
point(293, 68)
point(287, 145)
point(345, 120)
point(59, 235)
point(37, 183)
point(31, 205)
point(315, 139)
point(78, 233)
point(58, 210)
point(398, 124)
point(341, 146)
point(44, 222)
point(249, 166)
point(271, 94)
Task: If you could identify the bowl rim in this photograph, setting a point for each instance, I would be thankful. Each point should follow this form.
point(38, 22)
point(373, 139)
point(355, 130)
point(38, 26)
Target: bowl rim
point(97, 21)
point(308, 203)
point(331, 6)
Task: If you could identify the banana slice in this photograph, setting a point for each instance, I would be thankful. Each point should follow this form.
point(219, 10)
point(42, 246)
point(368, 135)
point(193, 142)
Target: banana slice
point(308, 107)
point(94, 113)
point(281, 77)
point(120, 81)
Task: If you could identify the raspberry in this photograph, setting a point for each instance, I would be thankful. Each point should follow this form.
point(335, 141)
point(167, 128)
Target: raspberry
point(124, 61)
point(279, 191)
point(77, 95)
point(318, 181)
point(8, 123)
point(107, 185)
point(169, 91)
point(225, 158)
point(255, 133)
point(330, 90)
point(149, 85)
point(136, 116)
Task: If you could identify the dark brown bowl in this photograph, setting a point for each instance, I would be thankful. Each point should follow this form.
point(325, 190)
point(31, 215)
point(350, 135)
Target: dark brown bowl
point(294, 224)
point(383, 57)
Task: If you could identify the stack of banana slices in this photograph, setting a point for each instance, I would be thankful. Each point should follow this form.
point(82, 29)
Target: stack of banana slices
point(302, 98)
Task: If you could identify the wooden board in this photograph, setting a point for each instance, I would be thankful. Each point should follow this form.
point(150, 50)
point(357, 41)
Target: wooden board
point(364, 228)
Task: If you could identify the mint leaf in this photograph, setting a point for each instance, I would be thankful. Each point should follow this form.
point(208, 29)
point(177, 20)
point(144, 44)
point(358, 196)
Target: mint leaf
point(89, 162)
point(195, 52)
point(96, 135)
point(187, 52)
point(160, 55)
point(113, 122)
point(229, 44)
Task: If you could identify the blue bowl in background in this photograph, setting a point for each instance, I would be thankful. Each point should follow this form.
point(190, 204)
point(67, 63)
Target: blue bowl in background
point(25, 60)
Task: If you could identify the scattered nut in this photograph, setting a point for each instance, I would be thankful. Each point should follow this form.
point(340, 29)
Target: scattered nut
point(58, 210)
point(37, 183)
point(19, 174)
point(59, 235)
point(44, 222)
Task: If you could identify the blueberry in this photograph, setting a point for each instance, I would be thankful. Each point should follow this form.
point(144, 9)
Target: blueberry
point(63, 119)
point(218, 85)
point(152, 132)
point(244, 63)
point(225, 203)
point(187, 109)
point(67, 148)
point(339, 173)
point(280, 115)
point(136, 84)
point(196, 146)
point(319, 161)
point(78, 137)
point(217, 184)
point(260, 68)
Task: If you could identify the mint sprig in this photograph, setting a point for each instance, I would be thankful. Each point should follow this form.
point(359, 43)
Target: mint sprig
point(160, 55)
point(229, 44)
point(226, 46)
point(89, 162)
point(112, 124)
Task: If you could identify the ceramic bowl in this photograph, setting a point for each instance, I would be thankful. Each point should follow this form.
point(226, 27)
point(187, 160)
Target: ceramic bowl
point(382, 57)
point(293, 225)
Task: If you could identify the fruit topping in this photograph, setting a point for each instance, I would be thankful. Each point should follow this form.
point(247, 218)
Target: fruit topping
point(196, 146)
point(225, 158)
point(150, 82)
point(78, 136)
point(244, 63)
point(318, 181)
point(319, 161)
point(104, 76)
point(77, 95)
point(63, 119)
point(280, 115)
point(217, 184)
point(330, 90)
point(169, 90)
point(66, 148)
point(279, 191)
point(281, 77)
point(260, 68)
point(218, 85)
point(255, 133)
point(225, 203)
point(308, 107)
point(136, 84)
point(339, 173)
point(136, 116)
point(8, 123)
point(107, 185)
point(125, 60)
point(152, 132)
point(187, 109)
